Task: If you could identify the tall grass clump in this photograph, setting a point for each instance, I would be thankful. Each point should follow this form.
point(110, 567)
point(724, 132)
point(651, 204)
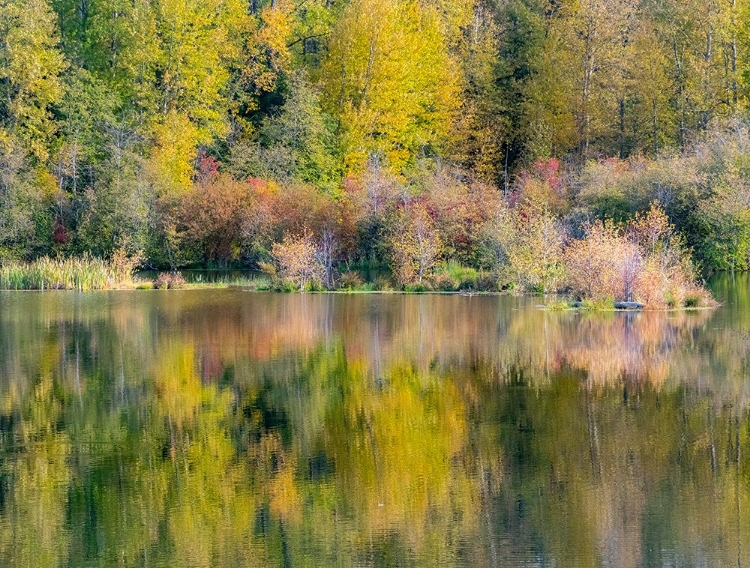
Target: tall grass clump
point(84, 273)
point(450, 276)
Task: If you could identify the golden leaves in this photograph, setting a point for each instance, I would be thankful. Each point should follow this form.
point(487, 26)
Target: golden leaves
point(390, 81)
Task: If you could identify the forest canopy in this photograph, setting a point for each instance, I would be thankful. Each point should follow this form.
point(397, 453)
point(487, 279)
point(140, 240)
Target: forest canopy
point(211, 132)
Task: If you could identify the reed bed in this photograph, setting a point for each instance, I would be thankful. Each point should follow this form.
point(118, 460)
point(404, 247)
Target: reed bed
point(84, 273)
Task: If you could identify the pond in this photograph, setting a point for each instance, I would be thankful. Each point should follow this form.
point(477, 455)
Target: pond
point(233, 428)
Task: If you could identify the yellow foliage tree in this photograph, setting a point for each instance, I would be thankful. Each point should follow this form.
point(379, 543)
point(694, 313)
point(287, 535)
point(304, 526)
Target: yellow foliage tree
point(171, 162)
point(389, 80)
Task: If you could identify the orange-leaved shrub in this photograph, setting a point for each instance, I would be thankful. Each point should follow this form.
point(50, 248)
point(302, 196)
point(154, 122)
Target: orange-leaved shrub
point(604, 264)
point(644, 261)
point(668, 276)
point(460, 207)
point(169, 281)
point(213, 217)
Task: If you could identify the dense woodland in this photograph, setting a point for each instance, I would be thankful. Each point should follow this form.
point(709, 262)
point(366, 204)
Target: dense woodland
point(321, 135)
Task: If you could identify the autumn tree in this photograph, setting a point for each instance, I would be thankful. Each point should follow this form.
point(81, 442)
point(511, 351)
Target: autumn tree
point(481, 132)
point(415, 244)
point(589, 54)
point(260, 64)
point(389, 82)
point(344, 113)
point(667, 274)
point(214, 216)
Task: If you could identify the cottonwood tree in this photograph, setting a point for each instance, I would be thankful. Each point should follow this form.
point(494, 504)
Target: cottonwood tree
point(593, 38)
point(481, 131)
point(389, 81)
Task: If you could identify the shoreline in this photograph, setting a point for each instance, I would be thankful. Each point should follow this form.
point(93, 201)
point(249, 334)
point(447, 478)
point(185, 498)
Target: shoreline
point(203, 287)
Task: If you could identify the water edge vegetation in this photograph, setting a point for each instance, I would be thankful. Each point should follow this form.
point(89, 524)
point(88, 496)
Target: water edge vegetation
point(404, 134)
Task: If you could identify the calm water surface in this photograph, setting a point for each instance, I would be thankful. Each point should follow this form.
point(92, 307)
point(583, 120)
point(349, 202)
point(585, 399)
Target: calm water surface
point(229, 428)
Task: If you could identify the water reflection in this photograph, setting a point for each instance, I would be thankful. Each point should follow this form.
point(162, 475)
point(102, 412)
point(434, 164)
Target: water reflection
point(234, 428)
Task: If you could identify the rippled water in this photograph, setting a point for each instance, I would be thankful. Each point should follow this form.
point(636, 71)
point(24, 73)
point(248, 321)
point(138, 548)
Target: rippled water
point(230, 428)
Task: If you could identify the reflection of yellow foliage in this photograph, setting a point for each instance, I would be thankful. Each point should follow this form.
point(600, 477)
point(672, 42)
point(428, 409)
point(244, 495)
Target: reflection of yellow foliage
point(177, 382)
point(211, 513)
point(645, 346)
point(285, 498)
point(41, 477)
point(388, 408)
point(38, 536)
point(397, 459)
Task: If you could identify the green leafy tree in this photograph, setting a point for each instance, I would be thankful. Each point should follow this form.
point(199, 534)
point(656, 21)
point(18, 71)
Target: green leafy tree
point(295, 143)
point(24, 203)
point(30, 69)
